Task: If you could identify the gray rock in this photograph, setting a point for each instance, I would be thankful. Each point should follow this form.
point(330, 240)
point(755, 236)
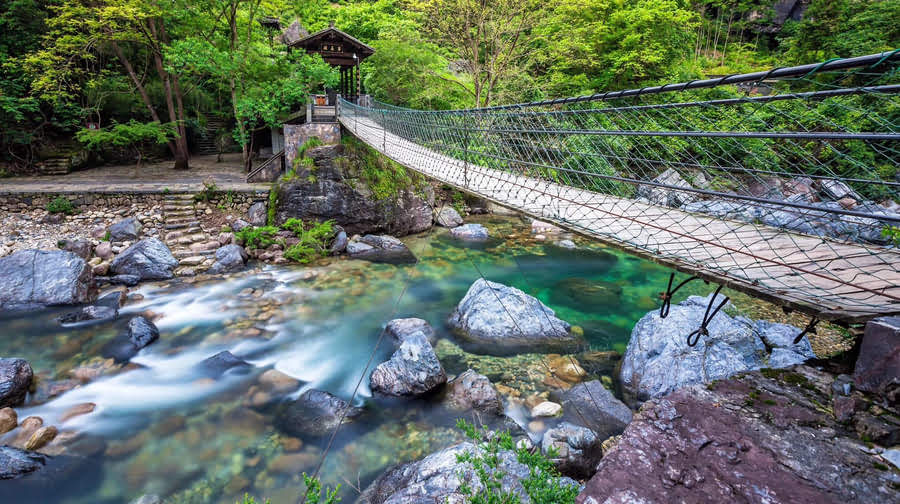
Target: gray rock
point(15, 379)
point(148, 259)
point(496, 319)
point(239, 224)
point(383, 248)
point(340, 241)
point(412, 370)
point(92, 314)
point(439, 476)
point(81, 248)
point(566, 244)
point(256, 214)
point(315, 413)
point(36, 278)
point(578, 449)
point(472, 391)
point(221, 363)
point(400, 329)
point(125, 230)
point(127, 280)
point(835, 190)
point(229, 258)
point(658, 359)
point(139, 334)
point(668, 196)
point(15, 463)
point(448, 217)
point(470, 232)
point(591, 405)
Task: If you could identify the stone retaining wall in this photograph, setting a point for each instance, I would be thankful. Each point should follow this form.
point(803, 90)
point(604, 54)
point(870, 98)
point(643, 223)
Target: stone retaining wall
point(19, 202)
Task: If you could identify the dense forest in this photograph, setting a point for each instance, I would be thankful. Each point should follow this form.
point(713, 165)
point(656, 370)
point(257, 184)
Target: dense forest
point(151, 72)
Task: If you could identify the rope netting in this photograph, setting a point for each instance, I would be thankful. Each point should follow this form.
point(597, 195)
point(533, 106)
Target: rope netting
point(783, 183)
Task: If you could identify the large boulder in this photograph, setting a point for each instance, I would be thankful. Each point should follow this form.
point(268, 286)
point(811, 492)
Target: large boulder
point(658, 359)
point(15, 380)
point(37, 278)
point(578, 449)
point(125, 230)
point(229, 258)
point(380, 248)
point(315, 413)
point(473, 391)
point(495, 319)
point(139, 334)
point(340, 191)
point(591, 405)
point(148, 259)
point(755, 438)
point(413, 370)
point(440, 476)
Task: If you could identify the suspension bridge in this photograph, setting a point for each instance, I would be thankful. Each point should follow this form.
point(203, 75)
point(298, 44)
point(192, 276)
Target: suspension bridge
point(782, 184)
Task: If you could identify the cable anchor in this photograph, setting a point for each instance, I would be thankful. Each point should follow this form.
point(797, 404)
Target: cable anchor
point(667, 296)
point(810, 329)
point(694, 337)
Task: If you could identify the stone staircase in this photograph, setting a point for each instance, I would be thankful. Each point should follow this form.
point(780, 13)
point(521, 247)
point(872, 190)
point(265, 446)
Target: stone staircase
point(194, 249)
point(54, 166)
point(206, 144)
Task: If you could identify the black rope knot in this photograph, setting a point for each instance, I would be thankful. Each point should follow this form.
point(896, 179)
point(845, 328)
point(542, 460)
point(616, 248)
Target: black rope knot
point(667, 296)
point(694, 337)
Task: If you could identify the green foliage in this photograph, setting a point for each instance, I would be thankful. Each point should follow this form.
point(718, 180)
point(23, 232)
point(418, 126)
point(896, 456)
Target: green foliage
point(459, 202)
point(133, 135)
point(892, 233)
point(383, 176)
point(273, 205)
point(209, 192)
point(258, 237)
point(542, 484)
point(248, 499)
point(61, 205)
point(313, 242)
point(315, 494)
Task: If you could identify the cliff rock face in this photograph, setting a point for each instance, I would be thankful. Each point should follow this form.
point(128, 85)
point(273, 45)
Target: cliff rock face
point(335, 189)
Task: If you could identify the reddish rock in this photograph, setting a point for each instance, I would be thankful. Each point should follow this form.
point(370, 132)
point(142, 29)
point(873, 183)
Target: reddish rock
point(878, 365)
point(753, 438)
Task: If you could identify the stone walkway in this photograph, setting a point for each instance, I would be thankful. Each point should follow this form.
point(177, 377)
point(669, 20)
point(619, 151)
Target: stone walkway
point(193, 248)
point(148, 178)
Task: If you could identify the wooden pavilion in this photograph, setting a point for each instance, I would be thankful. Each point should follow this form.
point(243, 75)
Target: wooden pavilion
point(339, 49)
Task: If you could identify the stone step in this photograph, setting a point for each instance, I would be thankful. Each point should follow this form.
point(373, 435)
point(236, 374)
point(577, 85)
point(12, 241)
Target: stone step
point(184, 223)
point(194, 229)
point(183, 220)
point(183, 253)
point(171, 214)
point(175, 208)
point(194, 260)
point(187, 226)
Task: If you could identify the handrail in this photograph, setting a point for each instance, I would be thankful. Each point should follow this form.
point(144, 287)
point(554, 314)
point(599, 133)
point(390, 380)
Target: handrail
point(265, 164)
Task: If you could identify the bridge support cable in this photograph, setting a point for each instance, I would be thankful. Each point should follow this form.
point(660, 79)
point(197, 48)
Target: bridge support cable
point(783, 184)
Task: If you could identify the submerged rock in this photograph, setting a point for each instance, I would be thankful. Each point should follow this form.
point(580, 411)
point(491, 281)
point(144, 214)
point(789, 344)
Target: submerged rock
point(470, 232)
point(383, 248)
point(439, 477)
point(755, 438)
point(472, 391)
point(93, 314)
point(658, 359)
point(221, 362)
point(15, 463)
point(38, 278)
point(495, 319)
point(15, 380)
point(413, 370)
point(229, 258)
point(148, 259)
point(315, 413)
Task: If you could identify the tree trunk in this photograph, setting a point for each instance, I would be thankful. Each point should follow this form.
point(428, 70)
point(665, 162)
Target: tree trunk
point(181, 149)
point(141, 90)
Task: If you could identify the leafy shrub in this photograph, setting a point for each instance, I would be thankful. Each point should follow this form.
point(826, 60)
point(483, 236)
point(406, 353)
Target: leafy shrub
point(892, 233)
point(273, 205)
point(60, 205)
point(209, 192)
point(313, 241)
point(315, 493)
point(542, 484)
point(258, 237)
point(133, 134)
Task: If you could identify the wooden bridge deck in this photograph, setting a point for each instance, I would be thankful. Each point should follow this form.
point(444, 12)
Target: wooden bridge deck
point(832, 279)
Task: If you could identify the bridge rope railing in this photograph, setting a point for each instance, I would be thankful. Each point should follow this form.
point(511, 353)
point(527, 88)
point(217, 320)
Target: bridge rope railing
point(784, 181)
